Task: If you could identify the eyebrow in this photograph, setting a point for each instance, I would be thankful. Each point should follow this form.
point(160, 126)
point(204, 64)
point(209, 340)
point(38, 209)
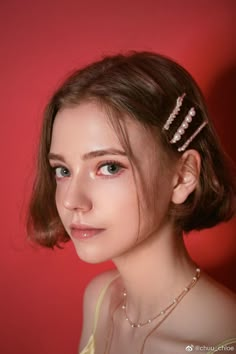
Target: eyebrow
point(89, 155)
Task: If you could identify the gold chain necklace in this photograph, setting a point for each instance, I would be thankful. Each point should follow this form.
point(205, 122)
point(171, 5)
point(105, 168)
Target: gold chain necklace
point(162, 312)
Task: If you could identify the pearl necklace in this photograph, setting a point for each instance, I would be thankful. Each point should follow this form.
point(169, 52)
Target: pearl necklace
point(172, 304)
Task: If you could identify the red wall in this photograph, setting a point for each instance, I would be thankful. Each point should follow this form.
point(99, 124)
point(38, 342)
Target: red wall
point(41, 290)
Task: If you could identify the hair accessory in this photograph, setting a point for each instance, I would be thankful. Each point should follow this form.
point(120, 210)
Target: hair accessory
point(184, 125)
point(183, 147)
point(170, 307)
point(175, 112)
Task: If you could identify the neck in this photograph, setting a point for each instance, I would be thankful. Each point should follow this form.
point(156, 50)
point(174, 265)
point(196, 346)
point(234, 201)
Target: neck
point(154, 273)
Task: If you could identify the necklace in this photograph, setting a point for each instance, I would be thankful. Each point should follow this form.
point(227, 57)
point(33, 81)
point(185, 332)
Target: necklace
point(164, 311)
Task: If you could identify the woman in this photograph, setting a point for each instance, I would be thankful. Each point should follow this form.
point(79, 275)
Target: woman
point(128, 161)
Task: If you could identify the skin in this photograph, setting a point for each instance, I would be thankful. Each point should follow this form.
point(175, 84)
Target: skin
point(153, 264)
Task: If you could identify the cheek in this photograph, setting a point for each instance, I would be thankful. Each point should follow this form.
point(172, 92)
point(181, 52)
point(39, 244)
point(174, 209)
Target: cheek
point(58, 198)
point(59, 203)
point(119, 198)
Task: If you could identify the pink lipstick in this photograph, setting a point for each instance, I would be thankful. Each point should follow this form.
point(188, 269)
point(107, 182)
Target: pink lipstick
point(84, 232)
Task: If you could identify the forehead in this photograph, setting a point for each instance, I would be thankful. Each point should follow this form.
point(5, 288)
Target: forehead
point(86, 127)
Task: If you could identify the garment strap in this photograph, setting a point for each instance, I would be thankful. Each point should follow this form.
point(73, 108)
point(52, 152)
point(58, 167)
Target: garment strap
point(226, 342)
point(99, 302)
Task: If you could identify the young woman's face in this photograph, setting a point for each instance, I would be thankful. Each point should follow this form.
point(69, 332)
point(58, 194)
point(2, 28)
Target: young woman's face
point(96, 195)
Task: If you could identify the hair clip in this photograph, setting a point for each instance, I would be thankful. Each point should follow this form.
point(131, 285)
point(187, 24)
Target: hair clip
point(183, 147)
point(184, 125)
point(175, 112)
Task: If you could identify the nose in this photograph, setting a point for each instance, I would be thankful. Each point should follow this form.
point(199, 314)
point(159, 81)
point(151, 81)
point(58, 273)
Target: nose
point(77, 196)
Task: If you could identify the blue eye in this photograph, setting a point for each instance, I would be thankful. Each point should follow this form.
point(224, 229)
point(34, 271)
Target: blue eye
point(110, 168)
point(61, 172)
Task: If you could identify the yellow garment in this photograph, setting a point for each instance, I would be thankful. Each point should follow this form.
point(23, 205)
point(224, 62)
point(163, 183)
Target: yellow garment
point(226, 343)
point(90, 347)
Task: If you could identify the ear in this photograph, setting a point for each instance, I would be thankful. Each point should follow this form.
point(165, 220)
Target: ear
point(187, 176)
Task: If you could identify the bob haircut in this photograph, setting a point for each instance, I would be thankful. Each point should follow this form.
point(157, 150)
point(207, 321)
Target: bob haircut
point(145, 87)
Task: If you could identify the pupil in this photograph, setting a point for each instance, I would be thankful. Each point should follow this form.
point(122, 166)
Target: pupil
point(112, 168)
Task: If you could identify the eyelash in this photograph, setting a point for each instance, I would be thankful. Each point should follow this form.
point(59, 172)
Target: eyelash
point(54, 169)
point(103, 164)
point(112, 162)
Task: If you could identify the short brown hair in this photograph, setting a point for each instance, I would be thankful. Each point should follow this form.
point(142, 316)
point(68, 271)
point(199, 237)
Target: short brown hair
point(144, 86)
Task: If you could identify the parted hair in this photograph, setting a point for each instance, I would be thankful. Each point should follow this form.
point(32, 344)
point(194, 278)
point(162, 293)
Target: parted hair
point(145, 87)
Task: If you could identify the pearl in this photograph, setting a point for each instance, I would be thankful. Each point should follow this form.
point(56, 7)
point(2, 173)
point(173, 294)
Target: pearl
point(184, 125)
point(181, 131)
point(176, 137)
point(188, 119)
point(192, 112)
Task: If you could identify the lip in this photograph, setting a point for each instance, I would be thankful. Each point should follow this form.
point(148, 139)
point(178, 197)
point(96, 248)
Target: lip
point(84, 232)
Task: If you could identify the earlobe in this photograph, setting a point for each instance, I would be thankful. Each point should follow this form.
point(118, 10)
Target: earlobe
point(187, 176)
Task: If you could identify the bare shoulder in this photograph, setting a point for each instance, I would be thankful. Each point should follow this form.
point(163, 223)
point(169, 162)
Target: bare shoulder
point(219, 297)
point(205, 317)
point(91, 295)
point(211, 309)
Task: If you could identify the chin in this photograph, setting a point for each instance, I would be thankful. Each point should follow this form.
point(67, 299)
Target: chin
point(90, 257)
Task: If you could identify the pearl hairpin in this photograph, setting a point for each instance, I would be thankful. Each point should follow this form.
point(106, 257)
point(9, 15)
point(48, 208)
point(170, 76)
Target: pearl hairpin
point(187, 142)
point(184, 125)
point(175, 112)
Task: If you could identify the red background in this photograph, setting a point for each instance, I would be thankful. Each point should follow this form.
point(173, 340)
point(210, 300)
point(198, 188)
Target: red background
point(41, 290)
